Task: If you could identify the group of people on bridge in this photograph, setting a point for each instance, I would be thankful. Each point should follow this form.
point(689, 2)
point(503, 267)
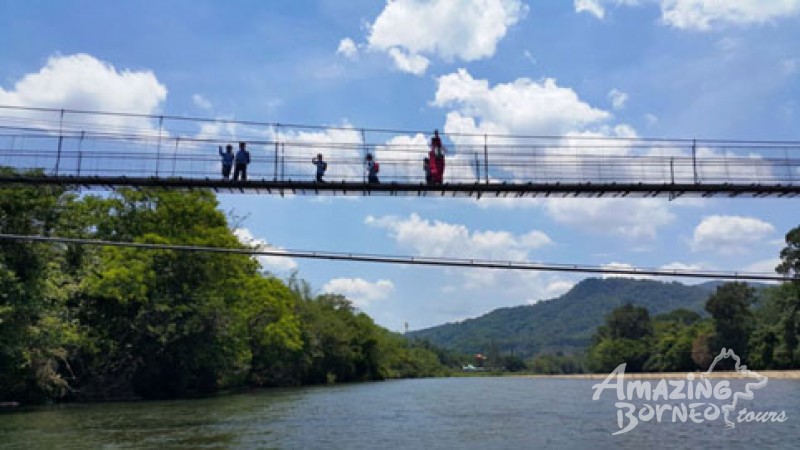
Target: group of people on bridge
point(238, 162)
point(432, 165)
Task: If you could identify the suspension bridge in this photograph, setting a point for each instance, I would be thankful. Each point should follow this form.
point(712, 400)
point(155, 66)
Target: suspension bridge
point(100, 150)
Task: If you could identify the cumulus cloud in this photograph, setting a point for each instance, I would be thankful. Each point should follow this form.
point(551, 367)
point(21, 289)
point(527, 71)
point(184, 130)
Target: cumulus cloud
point(347, 48)
point(618, 98)
point(272, 263)
point(679, 266)
point(729, 235)
point(409, 62)
point(439, 239)
point(81, 81)
point(412, 31)
point(623, 267)
point(524, 105)
point(597, 8)
point(359, 291)
point(201, 102)
point(593, 7)
point(520, 107)
point(703, 15)
point(630, 218)
point(763, 266)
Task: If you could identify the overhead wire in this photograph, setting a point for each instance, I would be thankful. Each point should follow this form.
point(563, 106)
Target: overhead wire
point(411, 260)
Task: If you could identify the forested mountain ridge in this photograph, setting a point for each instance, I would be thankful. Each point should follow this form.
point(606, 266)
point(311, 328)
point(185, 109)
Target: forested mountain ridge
point(564, 324)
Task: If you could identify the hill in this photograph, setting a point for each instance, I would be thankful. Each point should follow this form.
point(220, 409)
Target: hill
point(564, 324)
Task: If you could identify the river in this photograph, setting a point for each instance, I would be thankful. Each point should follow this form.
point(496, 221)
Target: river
point(444, 413)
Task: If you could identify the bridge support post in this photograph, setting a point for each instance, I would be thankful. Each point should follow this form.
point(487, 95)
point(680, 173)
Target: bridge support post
point(60, 140)
point(275, 169)
point(694, 161)
point(486, 157)
point(158, 147)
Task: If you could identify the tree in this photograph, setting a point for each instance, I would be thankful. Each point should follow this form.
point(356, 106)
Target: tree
point(790, 255)
point(628, 322)
point(790, 298)
point(729, 306)
point(624, 338)
point(164, 324)
point(34, 331)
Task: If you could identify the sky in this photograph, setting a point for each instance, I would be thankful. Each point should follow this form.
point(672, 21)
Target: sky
point(648, 68)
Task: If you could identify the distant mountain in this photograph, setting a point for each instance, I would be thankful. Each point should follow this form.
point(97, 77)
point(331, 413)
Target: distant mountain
point(564, 324)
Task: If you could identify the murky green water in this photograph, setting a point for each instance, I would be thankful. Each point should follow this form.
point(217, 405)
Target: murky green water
point(485, 413)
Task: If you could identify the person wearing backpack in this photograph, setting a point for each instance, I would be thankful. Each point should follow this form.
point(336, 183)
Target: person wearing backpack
point(242, 160)
point(437, 158)
point(373, 168)
point(322, 166)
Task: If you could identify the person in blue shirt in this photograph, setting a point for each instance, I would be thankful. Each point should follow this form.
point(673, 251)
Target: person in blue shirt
point(242, 160)
point(227, 160)
point(372, 169)
point(322, 166)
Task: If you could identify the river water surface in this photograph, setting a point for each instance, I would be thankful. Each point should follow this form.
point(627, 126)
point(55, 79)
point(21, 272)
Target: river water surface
point(444, 413)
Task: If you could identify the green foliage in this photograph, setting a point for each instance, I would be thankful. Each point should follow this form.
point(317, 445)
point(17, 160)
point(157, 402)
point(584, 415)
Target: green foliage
point(558, 364)
point(729, 306)
point(625, 337)
point(790, 255)
point(83, 322)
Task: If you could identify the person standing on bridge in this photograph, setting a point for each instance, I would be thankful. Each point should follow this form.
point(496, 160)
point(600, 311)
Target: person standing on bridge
point(322, 166)
point(426, 167)
point(437, 158)
point(242, 160)
point(372, 169)
point(227, 160)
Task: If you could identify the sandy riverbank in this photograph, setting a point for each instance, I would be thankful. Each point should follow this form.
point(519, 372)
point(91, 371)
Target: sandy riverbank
point(771, 374)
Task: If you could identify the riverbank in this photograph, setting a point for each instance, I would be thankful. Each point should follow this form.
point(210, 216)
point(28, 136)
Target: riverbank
point(771, 374)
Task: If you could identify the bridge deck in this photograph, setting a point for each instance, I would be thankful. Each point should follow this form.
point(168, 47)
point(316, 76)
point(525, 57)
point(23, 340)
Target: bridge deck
point(477, 190)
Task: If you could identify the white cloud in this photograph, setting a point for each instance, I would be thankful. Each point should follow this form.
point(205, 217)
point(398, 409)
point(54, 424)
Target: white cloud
point(618, 98)
point(275, 263)
point(631, 218)
point(524, 105)
point(623, 267)
point(679, 266)
point(704, 14)
point(597, 7)
point(409, 62)
point(763, 266)
point(442, 239)
point(411, 31)
point(359, 291)
point(557, 287)
point(83, 82)
point(201, 102)
point(348, 49)
point(728, 235)
point(593, 7)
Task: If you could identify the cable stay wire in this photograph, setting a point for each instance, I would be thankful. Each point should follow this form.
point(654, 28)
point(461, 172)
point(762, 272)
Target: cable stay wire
point(412, 260)
point(589, 138)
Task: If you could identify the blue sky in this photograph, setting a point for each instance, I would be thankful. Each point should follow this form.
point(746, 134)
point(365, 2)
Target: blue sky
point(649, 68)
